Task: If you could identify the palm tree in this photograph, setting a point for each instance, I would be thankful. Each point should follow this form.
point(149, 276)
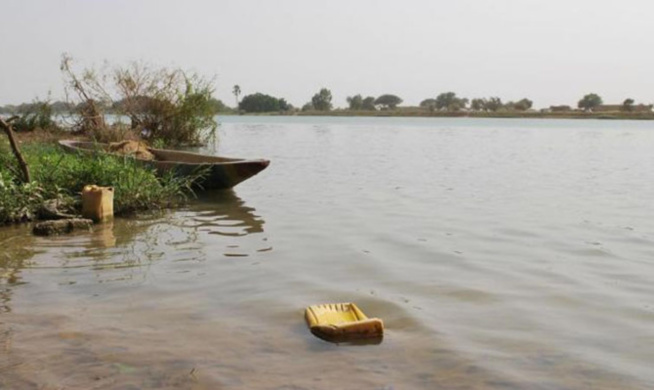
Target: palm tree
point(236, 91)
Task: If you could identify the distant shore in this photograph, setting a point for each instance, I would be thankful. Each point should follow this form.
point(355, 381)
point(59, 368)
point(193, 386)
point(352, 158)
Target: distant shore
point(464, 114)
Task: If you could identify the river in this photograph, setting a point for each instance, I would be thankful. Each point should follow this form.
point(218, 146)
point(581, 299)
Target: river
point(501, 254)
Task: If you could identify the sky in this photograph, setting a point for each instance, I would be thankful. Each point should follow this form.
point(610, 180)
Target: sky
point(551, 51)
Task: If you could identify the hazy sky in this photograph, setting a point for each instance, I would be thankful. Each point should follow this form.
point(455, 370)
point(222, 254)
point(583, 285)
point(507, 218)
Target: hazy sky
point(552, 51)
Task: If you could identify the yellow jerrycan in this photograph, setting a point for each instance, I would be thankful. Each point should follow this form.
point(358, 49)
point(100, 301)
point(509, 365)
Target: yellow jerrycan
point(97, 202)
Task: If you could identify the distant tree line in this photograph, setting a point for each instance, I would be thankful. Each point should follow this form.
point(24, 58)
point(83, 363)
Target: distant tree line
point(450, 102)
point(63, 108)
point(447, 102)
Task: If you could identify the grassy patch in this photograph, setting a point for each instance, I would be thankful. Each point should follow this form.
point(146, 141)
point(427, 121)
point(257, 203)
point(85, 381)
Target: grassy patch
point(60, 175)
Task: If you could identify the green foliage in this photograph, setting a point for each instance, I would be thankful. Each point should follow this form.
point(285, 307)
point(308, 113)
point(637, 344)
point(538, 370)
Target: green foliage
point(358, 103)
point(628, 105)
point(388, 101)
point(260, 102)
point(429, 104)
point(37, 115)
point(589, 102)
point(355, 102)
point(180, 111)
point(217, 106)
point(236, 91)
point(523, 104)
point(322, 101)
point(477, 104)
point(492, 104)
point(450, 102)
point(165, 104)
point(368, 104)
point(18, 201)
point(56, 175)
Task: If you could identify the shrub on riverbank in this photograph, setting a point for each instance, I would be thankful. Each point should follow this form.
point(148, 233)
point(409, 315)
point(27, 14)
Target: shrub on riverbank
point(38, 115)
point(18, 202)
point(166, 105)
point(60, 175)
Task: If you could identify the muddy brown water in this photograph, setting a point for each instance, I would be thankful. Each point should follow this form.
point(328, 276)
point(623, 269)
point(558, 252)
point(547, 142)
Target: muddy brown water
point(501, 254)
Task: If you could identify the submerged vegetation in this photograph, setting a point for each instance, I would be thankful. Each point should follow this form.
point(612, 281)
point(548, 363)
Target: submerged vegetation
point(60, 176)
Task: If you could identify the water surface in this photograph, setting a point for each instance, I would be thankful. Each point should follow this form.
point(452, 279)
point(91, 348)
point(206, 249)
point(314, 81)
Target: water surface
point(501, 254)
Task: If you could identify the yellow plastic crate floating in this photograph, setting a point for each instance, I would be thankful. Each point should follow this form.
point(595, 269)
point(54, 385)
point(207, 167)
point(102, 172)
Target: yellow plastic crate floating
point(97, 202)
point(342, 322)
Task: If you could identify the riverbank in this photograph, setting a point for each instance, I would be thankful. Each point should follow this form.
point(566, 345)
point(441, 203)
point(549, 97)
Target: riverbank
point(58, 178)
point(461, 114)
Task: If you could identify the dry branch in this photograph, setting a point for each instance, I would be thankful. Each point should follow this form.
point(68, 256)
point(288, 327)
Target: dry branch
point(6, 126)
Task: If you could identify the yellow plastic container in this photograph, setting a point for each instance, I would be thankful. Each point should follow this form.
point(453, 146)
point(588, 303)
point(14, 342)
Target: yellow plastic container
point(97, 202)
point(339, 322)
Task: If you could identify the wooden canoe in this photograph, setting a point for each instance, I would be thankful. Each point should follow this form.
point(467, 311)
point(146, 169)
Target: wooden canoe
point(223, 172)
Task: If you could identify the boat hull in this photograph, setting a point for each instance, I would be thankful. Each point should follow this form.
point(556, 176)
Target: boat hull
point(221, 172)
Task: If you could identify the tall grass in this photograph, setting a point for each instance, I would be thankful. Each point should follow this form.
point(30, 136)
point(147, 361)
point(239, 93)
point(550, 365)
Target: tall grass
point(60, 175)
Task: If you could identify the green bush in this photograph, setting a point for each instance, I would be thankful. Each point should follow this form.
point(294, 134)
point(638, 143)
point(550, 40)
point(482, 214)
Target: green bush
point(60, 175)
point(18, 202)
point(166, 104)
point(36, 116)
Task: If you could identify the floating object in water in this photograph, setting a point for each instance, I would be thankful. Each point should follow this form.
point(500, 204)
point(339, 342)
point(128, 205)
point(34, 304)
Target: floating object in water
point(340, 322)
point(97, 202)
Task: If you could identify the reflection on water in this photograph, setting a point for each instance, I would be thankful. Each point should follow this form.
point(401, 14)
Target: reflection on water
point(95, 277)
point(16, 252)
point(128, 247)
point(229, 215)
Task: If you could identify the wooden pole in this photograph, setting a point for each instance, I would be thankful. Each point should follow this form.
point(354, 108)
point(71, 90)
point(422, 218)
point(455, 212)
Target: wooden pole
point(14, 147)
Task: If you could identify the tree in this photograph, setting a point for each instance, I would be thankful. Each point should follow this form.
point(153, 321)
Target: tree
point(520, 105)
point(355, 102)
point(388, 101)
point(164, 104)
point(368, 104)
point(236, 91)
point(429, 104)
point(523, 104)
point(450, 102)
point(218, 106)
point(322, 101)
point(590, 102)
point(628, 105)
point(176, 111)
point(478, 104)
point(493, 104)
point(260, 102)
